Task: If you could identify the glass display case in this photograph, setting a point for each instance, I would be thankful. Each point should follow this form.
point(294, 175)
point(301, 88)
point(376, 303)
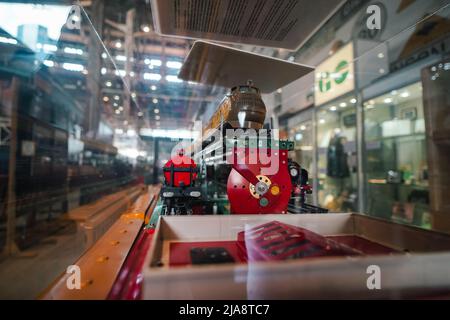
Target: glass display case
point(324, 256)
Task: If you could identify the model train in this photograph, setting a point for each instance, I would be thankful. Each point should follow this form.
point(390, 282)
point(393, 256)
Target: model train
point(236, 161)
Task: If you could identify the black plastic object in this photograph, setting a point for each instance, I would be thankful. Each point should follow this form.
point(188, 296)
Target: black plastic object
point(210, 255)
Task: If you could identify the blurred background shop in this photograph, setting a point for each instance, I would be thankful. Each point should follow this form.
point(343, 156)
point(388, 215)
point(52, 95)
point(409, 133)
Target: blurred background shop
point(360, 121)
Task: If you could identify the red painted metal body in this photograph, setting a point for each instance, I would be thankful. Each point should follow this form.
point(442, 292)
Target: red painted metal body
point(248, 169)
point(180, 161)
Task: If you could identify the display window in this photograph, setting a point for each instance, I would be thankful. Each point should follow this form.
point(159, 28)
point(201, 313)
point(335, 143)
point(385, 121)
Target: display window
point(336, 155)
point(302, 134)
point(303, 152)
point(396, 161)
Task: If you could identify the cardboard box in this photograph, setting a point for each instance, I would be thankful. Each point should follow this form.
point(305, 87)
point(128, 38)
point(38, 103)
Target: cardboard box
point(420, 269)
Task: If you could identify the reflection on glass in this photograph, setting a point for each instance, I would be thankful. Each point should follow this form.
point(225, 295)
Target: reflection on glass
point(302, 135)
point(57, 150)
point(396, 156)
point(337, 166)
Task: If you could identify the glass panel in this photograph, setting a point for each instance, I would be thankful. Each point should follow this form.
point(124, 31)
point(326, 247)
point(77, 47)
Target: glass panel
point(91, 108)
point(398, 151)
point(302, 134)
point(57, 151)
point(336, 149)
